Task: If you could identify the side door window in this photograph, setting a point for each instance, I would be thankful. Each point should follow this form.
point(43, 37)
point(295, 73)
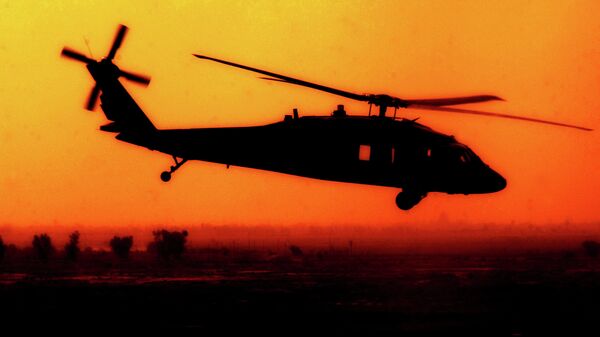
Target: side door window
point(364, 152)
point(382, 154)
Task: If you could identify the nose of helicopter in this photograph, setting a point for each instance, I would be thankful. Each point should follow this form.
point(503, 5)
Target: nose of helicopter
point(494, 182)
point(484, 180)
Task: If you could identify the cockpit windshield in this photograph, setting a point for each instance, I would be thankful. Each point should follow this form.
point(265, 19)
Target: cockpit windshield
point(464, 156)
point(456, 154)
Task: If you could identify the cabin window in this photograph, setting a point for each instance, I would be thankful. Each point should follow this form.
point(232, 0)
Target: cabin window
point(364, 152)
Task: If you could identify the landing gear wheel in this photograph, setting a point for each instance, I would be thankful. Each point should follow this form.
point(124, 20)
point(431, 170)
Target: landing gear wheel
point(407, 200)
point(165, 176)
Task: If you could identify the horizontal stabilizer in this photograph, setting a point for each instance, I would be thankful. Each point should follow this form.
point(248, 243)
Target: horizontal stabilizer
point(111, 127)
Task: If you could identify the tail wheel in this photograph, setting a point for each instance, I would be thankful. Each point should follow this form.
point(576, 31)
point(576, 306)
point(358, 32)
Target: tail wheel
point(406, 200)
point(165, 176)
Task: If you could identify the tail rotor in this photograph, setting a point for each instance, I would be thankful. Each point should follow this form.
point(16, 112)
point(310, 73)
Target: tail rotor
point(105, 68)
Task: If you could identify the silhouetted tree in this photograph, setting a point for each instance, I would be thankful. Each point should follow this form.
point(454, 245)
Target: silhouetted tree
point(121, 246)
point(296, 251)
point(168, 244)
point(591, 248)
point(72, 249)
point(2, 249)
point(42, 246)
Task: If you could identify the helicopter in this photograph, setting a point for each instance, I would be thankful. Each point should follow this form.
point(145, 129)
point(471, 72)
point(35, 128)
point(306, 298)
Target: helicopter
point(375, 150)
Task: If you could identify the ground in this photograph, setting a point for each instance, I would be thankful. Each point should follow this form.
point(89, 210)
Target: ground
point(317, 293)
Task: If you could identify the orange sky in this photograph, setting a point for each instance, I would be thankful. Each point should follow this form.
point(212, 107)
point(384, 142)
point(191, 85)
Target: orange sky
point(543, 57)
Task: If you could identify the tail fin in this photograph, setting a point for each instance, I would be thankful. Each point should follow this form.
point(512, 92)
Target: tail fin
point(123, 112)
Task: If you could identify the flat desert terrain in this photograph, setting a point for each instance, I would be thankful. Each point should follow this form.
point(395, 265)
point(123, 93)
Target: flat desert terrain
point(315, 293)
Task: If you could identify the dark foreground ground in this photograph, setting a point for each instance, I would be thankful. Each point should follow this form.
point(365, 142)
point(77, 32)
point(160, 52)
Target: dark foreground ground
point(315, 294)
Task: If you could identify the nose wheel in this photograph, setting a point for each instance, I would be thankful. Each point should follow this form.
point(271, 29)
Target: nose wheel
point(166, 175)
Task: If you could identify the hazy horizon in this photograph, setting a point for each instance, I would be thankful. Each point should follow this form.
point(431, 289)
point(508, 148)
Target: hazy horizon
point(458, 238)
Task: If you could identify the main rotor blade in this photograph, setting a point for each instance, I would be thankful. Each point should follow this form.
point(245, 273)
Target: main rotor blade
point(93, 98)
point(291, 80)
point(494, 114)
point(117, 42)
point(453, 100)
point(141, 79)
point(75, 55)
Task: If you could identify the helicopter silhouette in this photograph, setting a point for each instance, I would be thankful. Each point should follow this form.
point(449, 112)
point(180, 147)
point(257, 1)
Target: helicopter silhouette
point(374, 149)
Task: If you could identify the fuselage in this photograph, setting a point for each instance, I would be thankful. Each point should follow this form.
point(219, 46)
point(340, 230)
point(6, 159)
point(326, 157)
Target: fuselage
point(365, 150)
